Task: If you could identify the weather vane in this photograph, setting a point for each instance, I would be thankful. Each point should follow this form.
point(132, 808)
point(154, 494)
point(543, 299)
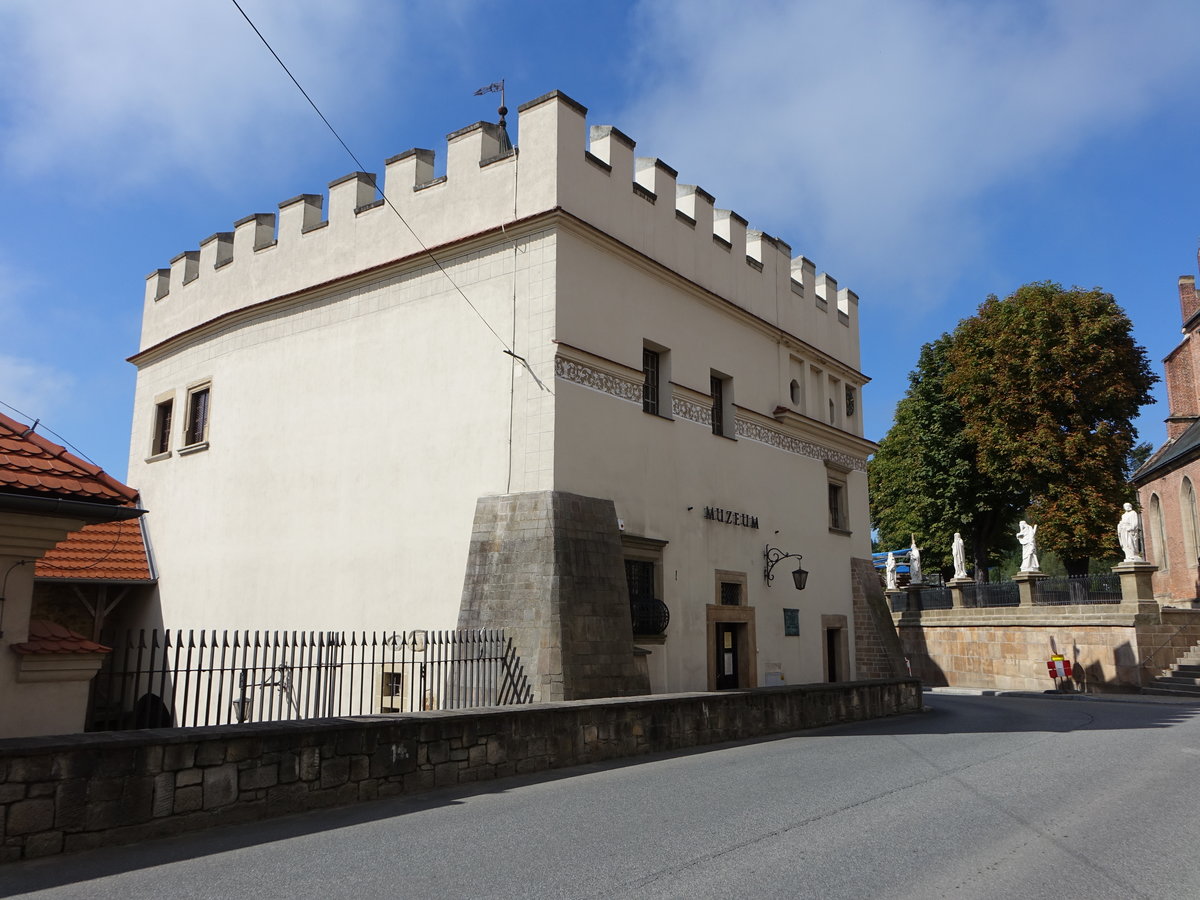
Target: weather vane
point(494, 87)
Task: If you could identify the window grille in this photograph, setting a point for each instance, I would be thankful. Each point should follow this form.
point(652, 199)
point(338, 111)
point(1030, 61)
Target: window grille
point(731, 593)
point(197, 416)
point(717, 388)
point(837, 515)
point(162, 427)
point(650, 370)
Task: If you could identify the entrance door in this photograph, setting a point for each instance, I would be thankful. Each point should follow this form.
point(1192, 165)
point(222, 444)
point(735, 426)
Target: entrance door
point(833, 646)
point(727, 655)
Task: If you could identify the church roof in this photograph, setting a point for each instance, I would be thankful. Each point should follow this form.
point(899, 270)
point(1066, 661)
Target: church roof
point(1170, 455)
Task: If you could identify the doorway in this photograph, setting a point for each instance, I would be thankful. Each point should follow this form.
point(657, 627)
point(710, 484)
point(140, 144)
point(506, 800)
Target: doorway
point(727, 634)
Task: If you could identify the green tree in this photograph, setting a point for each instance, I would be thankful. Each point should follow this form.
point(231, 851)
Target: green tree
point(1048, 382)
point(925, 481)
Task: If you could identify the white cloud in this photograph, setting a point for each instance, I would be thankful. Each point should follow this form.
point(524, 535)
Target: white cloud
point(880, 126)
point(35, 389)
point(125, 92)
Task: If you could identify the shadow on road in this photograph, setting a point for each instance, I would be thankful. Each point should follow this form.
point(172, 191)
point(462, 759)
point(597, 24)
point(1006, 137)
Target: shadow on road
point(945, 714)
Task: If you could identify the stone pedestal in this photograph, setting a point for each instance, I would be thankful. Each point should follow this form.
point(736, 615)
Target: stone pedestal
point(894, 601)
point(914, 596)
point(1137, 588)
point(1027, 585)
point(956, 586)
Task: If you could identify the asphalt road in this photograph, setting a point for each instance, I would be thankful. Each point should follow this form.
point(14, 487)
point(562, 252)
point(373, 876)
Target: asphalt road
point(979, 797)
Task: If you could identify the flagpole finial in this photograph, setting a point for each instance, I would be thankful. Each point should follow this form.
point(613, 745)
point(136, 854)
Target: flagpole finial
point(498, 87)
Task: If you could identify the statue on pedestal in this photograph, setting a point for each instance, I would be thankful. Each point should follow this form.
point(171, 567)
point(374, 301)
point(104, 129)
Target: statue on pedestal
point(960, 556)
point(1027, 536)
point(1129, 533)
point(914, 562)
point(891, 571)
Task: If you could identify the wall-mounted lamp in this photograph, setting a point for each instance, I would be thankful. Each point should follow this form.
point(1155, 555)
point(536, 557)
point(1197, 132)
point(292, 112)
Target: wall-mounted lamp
point(774, 555)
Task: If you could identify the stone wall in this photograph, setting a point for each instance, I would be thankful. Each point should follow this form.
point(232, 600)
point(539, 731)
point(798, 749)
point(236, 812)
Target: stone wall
point(548, 568)
point(90, 790)
point(1111, 648)
point(877, 650)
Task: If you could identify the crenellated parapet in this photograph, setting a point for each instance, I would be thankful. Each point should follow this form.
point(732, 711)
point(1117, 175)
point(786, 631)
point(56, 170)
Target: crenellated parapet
point(561, 166)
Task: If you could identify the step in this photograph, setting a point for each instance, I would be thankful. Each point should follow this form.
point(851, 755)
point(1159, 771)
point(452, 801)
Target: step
point(1176, 680)
point(1179, 690)
point(1168, 692)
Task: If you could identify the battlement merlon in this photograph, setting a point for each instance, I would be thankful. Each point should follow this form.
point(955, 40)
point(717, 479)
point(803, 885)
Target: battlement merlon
point(562, 163)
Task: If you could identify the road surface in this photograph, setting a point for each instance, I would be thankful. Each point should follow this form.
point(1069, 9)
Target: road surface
point(992, 797)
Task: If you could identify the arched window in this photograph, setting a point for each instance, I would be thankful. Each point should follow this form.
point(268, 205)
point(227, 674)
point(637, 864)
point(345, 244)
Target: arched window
point(1158, 533)
point(1187, 510)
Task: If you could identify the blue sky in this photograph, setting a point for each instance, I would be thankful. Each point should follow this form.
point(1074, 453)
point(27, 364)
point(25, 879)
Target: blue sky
point(924, 153)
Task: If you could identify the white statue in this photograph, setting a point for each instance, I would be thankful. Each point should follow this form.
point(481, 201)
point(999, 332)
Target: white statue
point(1129, 533)
point(891, 571)
point(960, 556)
point(914, 562)
point(1027, 536)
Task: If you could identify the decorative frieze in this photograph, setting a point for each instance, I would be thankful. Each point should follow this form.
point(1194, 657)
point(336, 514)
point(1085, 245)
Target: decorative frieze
point(682, 408)
point(605, 382)
point(755, 431)
point(699, 412)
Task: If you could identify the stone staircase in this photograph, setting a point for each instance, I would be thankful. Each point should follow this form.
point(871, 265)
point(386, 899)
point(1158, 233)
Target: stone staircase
point(1181, 680)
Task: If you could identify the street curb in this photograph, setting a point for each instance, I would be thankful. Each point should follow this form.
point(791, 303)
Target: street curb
point(1055, 695)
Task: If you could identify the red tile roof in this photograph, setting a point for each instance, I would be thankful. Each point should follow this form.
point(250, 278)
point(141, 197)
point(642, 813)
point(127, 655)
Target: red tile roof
point(105, 551)
point(48, 638)
point(34, 466)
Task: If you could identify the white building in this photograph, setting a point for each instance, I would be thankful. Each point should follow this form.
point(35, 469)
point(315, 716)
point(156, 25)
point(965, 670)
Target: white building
point(330, 433)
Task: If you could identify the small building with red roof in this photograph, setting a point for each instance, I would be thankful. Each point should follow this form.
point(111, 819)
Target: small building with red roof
point(47, 494)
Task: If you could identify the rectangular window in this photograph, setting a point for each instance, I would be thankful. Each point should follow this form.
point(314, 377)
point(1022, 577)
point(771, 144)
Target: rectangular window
point(720, 388)
point(731, 593)
point(196, 427)
point(650, 386)
point(162, 427)
point(639, 573)
point(837, 515)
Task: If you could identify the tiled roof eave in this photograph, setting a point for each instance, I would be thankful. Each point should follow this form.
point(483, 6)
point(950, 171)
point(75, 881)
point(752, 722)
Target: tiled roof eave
point(36, 503)
point(83, 579)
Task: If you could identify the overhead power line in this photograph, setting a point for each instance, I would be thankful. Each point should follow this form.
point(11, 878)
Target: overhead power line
point(508, 350)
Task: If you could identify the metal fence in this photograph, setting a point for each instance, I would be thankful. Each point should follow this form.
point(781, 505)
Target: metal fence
point(936, 598)
point(991, 594)
point(1078, 589)
point(178, 678)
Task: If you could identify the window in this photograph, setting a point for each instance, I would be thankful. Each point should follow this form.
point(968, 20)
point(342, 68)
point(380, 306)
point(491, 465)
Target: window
point(795, 392)
point(716, 388)
point(851, 405)
point(650, 385)
point(839, 517)
point(731, 593)
point(1187, 509)
point(639, 573)
point(162, 427)
point(837, 507)
point(643, 575)
point(1158, 532)
point(196, 426)
point(720, 388)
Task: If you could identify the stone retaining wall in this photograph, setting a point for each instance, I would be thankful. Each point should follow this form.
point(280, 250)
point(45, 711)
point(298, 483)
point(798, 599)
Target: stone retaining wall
point(1112, 649)
point(82, 791)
